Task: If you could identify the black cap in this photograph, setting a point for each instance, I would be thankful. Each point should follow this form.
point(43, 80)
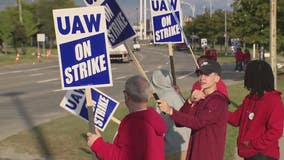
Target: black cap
point(209, 66)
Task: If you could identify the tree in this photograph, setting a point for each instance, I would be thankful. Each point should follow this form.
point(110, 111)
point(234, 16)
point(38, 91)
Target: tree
point(208, 27)
point(280, 24)
point(8, 18)
point(250, 21)
point(12, 32)
point(44, 16)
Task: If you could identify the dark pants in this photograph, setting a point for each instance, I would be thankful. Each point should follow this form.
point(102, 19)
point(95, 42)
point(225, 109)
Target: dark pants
point(260, 157)
point(239, 66)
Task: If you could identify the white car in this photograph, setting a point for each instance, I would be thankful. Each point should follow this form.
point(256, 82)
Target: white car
point(136, 46)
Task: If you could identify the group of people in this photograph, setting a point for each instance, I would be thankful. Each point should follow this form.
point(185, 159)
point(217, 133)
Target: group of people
point(212, 52)
point(197, 125)
point(242, 59)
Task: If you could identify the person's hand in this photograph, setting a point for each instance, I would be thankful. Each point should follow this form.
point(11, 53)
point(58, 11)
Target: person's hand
point(197, 95)
point(92, 137)
point(164, 107)
point(177, 89)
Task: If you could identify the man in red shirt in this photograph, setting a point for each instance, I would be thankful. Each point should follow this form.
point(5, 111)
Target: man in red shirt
point(239, 56)
point(221, 86)
point(208, 120)
point(140, 134)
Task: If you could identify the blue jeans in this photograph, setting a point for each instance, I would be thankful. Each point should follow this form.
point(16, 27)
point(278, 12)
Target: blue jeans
point(239, 66)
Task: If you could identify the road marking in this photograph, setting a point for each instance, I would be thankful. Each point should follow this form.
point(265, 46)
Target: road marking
point(28, 70)
point(122, 77)
point(36, 74)
point(48, 80)
point(186, 75)
point(57, 90)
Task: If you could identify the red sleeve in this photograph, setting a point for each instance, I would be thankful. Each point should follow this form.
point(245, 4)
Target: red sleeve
point(210, 114)
point(186, 109)
point(234, 117)
point(105, 150)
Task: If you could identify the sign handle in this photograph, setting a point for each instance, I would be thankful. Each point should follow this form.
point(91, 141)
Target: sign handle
point(90, 110)
point(140, 69)
point(170, 46)
point(90, 115)
point(115, 120)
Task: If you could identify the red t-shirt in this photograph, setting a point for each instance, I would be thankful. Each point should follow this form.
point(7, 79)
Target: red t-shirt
point(239, 56)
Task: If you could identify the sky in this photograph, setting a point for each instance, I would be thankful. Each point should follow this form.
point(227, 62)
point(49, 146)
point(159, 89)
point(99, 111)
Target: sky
point(130, 7)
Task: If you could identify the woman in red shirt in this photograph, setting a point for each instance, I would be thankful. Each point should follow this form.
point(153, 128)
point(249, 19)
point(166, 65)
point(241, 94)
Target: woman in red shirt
point(260, 116)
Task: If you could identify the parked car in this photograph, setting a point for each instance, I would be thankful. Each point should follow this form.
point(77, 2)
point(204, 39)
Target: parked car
point(136, 46)
point(180, 46)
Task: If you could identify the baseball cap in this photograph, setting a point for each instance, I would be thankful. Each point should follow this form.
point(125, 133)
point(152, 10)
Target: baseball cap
point(209, 66)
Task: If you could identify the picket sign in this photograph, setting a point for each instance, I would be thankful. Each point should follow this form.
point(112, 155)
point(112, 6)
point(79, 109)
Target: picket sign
point(91, 105)
point(81, 42)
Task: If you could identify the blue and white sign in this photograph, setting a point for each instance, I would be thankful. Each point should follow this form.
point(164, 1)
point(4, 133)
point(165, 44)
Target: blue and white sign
point(104, 106)
point(166, 20)
point(81, 43)
point(119, 28)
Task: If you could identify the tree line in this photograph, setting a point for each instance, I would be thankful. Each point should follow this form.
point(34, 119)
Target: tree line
point(36, 18)
point(249, 21)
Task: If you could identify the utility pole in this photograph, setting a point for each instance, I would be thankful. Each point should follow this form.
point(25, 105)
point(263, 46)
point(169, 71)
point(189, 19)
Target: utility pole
point(210, 8)
point(137, 17)
point(20, 11)
point(273, 42)
point(145, 18)
point(226, 34)
point(141, 22)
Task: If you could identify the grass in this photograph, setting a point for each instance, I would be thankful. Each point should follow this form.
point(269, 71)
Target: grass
point(29, 57)
point(64, 138)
